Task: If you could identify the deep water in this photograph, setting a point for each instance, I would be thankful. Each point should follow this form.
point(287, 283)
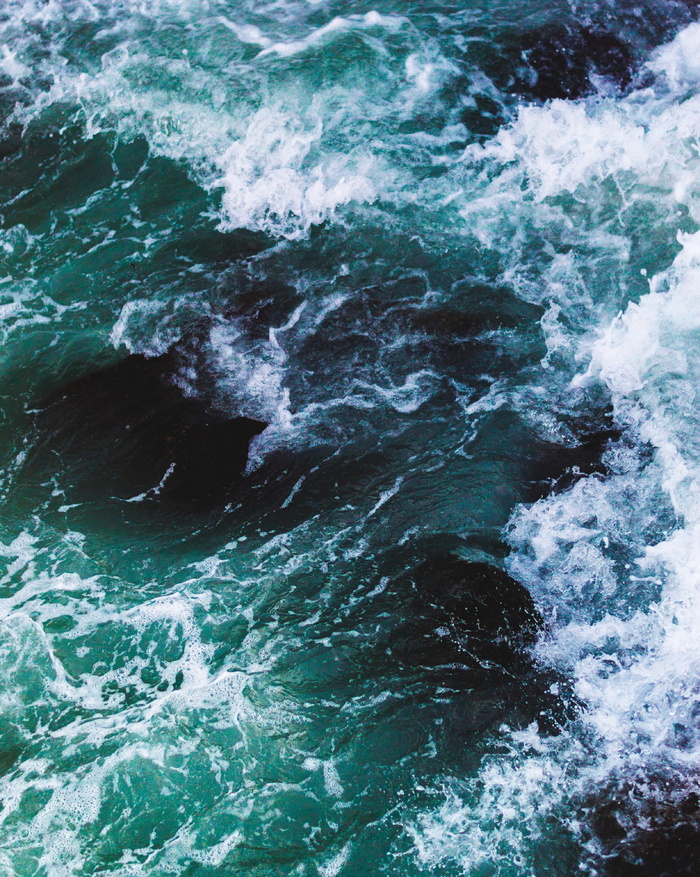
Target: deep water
point(349, 457)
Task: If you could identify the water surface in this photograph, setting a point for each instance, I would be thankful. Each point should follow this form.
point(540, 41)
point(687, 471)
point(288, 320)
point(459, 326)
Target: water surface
point(463, 297)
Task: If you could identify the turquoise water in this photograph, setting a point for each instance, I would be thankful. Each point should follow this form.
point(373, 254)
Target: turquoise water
point(467, 313)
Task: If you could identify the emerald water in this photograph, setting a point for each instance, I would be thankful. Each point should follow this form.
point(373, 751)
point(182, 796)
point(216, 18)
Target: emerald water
point(466, 309)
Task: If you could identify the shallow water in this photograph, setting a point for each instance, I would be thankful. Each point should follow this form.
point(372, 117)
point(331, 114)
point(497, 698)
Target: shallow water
point(468, 316)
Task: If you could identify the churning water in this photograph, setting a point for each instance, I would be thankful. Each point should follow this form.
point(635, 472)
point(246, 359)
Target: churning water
point(443, 618)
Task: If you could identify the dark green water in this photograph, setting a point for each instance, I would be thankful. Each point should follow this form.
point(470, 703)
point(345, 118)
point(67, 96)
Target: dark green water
point(467, 315)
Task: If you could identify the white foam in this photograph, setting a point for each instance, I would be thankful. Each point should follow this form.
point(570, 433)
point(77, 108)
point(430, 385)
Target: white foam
point(24, 304)
point(613, 562)
point(679, 61)
point(331, 780)
point(252, 378)
point(273, 182)
point(370, 19)
point(407, 397)
point(142, 327)
point(136, 738)
point(246, 33)
point(283, 154)
point(274, 162)
point(11, 65)
point(333, 866)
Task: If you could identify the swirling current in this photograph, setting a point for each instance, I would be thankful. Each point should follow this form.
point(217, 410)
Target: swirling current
point(349, 456)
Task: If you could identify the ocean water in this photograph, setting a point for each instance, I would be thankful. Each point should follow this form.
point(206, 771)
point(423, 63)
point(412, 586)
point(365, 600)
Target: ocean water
point(449, 256)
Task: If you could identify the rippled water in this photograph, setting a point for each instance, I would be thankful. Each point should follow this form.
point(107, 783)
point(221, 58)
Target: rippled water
point(450, 256)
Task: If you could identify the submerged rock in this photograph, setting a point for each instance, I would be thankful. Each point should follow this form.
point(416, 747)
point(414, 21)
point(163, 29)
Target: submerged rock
point(467, 626)
point(462, 612)
point(563, 62)
point(131, 432)
point(482, 601)
point(648, 828)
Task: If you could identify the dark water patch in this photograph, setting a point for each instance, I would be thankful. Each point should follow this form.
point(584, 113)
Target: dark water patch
point(555, 468)
point(516, 462)
point(475, 309)
point(482, 602)
point(646, 25)
point(216, 250)
point(483, 117)
point(129, 157)
point(130, 429)
point(555, 53)
point(257, 304)
point(167, 190)
point(564, 62)
point(56, 169)
point(10, 140)
point(474, 622)
point(445, 623)
point(648, 828)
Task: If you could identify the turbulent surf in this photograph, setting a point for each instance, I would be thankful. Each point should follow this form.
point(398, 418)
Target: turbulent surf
point(349, 452)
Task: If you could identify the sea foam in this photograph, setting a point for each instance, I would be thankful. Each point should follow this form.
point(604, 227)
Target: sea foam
point(612, 562)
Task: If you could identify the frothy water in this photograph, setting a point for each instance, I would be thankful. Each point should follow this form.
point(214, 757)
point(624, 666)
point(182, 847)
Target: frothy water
point(612, 560)
point(467, 317)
